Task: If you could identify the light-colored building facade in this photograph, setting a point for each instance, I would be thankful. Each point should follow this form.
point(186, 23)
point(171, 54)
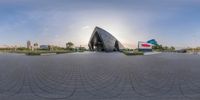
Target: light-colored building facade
point(29, 45)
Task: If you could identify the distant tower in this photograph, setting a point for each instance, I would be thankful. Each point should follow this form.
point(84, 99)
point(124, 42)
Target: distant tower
point(29, 44)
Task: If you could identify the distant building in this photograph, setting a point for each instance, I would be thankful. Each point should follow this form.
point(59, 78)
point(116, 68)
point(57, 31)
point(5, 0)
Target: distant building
point(181, 51)
point(101, 40)
point(29, 45)
point(46, 47)
point(145, 47)
point(153, 41)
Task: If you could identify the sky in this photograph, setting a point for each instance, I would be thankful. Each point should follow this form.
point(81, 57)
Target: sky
point(170, 22)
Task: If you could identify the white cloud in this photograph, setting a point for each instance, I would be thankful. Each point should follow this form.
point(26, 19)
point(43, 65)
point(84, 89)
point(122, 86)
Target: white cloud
point(86, 27)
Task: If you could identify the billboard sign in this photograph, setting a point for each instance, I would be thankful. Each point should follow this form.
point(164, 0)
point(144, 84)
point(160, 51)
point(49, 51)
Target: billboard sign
point(144, 45)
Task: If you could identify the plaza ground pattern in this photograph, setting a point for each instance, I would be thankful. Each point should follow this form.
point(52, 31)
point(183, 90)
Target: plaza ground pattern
point(100, 76)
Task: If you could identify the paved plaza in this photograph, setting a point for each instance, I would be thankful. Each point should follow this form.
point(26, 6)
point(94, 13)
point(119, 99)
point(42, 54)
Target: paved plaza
point(100, 76)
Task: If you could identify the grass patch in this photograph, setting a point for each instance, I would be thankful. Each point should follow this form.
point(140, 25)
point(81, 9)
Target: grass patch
point(41, 52)
point(81, 51)
point(133, 53)
point(38, 53)
point(63, 52)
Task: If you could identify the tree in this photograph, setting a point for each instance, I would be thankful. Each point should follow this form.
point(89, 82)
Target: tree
point(22, 48)
point(165, 48)
point(69, 45)
point(172, 48)
point(158, 47)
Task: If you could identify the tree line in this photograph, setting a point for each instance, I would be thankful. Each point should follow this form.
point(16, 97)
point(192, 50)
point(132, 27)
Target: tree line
point(163, 48)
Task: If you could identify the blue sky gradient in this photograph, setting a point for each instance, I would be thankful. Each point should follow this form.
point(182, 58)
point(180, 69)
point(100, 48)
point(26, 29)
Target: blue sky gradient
point(170, 22)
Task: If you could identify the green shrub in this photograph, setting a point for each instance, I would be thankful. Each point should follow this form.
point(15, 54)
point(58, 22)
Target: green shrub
point(33, 53)
point(131, 53)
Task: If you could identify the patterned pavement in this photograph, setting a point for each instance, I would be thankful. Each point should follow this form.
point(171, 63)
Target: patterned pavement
point(100, 76)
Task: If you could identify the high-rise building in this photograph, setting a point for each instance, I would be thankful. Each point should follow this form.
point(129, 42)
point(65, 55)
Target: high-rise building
point(29, 44)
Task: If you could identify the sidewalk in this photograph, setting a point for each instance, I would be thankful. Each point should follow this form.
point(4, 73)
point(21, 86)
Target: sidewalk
point(151, 53)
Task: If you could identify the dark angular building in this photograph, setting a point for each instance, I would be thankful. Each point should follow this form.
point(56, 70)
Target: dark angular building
point(101, 40)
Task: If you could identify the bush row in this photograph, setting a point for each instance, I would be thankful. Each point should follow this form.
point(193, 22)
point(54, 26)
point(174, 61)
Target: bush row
point(130, 53)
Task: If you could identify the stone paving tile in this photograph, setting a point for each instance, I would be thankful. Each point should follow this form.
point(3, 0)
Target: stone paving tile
point(100, 76)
